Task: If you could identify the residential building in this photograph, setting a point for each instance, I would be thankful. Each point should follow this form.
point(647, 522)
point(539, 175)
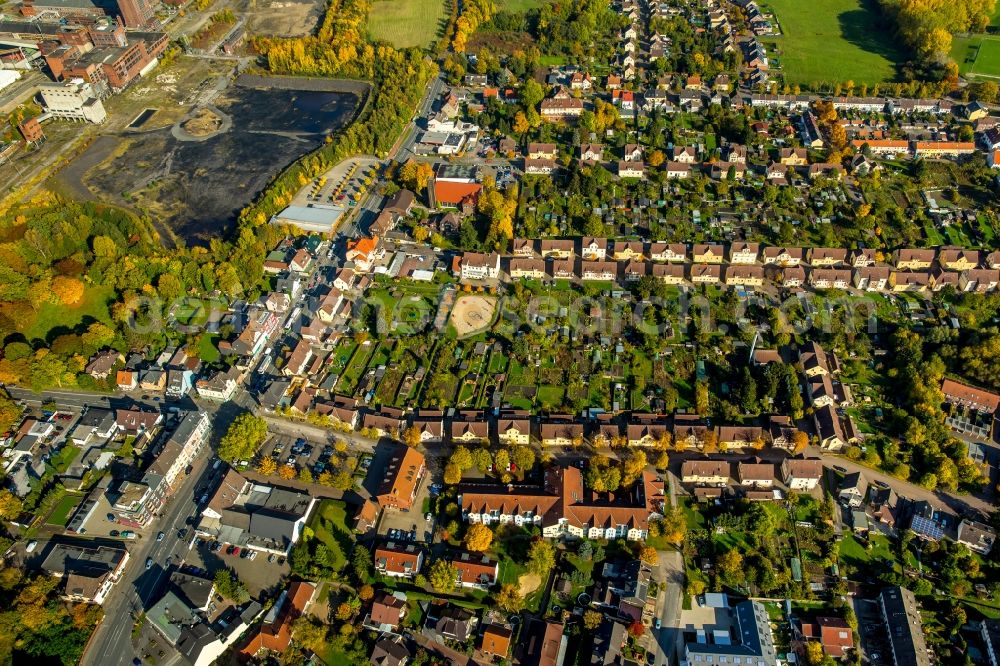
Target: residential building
point(801, 474)
point(87, 570)
point(478, 266)
point(475, 570)
point(755, 473)
point(563, 508)
point(749, 639)
point(255, 516)
point(976, 536)
point(401, 478)
point(275, 632)
point(743, 253)
point(705, 472)
point(901, 615)
point(390, 651)
point(399, 560)
point(833, 633)
point(853, 490)
point(386, 613)
point(514, 428)
point(708, 253)
point(560, 433)
point(496, 641)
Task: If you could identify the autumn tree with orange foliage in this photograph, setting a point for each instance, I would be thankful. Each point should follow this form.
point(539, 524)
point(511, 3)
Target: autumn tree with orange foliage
point(68, 290)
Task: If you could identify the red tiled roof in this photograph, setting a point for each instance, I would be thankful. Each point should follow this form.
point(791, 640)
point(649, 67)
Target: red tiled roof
point(452, 194)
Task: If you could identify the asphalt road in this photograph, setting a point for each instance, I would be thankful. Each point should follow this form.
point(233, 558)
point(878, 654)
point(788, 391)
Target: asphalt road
point(111, 644)
point(668, 636)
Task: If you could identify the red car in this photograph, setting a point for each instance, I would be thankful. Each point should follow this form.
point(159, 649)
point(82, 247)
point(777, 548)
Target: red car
point(236, 551)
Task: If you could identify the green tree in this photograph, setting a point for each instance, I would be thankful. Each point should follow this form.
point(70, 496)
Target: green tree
point(245, 435)
point(443, 576)
point(541, 557)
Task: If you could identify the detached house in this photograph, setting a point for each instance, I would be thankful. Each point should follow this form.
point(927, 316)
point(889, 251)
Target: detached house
point(801, 473)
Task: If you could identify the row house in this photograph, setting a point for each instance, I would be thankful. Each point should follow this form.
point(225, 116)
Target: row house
point(672, 274)
point(826, 257)
point(744, 276)
point(563, 508)
point(707, 253)
point(912, 281)
point(705, 472)
point(514, 428)
point(743, 253)
point(959, 259)
point(669, 252)
point(598, 270)
point(628, 251)
point(678, 170)
point(706, 273)
point(557, 249)
point(830, 278)
point(594, 249)
point(477, 266)
point(650, 431)
point(871, 278)
point(782, 256)
point(540, 151)
point(520, 268)
point(560, 433)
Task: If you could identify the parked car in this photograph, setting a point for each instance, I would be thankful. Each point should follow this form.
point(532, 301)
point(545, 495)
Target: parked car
point(236, 551)
point(149, 563)
point(114, 533)
point(253, 555)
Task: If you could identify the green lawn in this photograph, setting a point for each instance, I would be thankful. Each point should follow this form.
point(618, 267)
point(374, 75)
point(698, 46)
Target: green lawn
point(519, 5)
point(977, 55)
point(52, 315)
point(329, 524)
point(834, 41)
point(406, 23)
point(62, 510)
point(207, 349)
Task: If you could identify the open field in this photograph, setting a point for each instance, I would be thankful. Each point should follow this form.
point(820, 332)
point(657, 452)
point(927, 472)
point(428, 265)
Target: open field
point(407, 22)
point(55, 318)
point(977, 55)
point(834, 41)
point(473, 314)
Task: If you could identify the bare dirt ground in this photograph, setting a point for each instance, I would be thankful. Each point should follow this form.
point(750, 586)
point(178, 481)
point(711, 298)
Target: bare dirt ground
point(203, 123)
point(528, 582)
point(472, 314)
point(284, 18)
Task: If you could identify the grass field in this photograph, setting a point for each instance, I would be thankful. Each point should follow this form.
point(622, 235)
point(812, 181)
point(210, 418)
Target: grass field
point(834, 41)
point(62, 511)
point(94, 307)
point(329, 524)
point(978, 55)
point(406, 23)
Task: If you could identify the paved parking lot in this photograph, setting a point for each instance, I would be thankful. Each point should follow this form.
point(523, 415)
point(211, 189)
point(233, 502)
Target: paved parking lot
point(258, 574)
point(300, 452)
point(409, 525)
